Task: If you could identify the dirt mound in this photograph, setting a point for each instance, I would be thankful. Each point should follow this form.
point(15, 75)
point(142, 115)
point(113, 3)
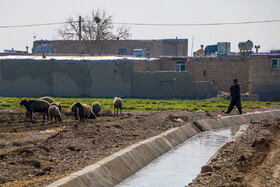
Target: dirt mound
point(252, 160)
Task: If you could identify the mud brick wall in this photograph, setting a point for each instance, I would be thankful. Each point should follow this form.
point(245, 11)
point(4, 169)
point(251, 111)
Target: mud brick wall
point(221, 71)
point(170, 85)
point(153, 66)
point(264, 80)
point(95, 78)
point(168, 47)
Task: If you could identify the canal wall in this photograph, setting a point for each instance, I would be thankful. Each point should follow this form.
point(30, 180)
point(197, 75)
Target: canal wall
point(119, 166)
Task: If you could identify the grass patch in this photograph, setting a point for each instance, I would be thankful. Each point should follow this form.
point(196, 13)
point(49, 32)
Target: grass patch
point(130, 104)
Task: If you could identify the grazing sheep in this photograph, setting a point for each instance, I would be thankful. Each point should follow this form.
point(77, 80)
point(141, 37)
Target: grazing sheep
point(84, 111)
point(47, 98)
point(92, 115)
point(96, 107)
point(57, 104)
point(54, 113)
point(27, 115)
point(117, 104)
point(74, 110)
point(36, 106)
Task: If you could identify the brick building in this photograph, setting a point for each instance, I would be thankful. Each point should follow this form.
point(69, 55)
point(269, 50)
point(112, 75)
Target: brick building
point(218, 70)
point(167, 47)
point(264, 76)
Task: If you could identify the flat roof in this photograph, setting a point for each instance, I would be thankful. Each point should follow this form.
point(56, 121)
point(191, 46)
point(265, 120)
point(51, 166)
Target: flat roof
point(90, 58)
point(268, 54)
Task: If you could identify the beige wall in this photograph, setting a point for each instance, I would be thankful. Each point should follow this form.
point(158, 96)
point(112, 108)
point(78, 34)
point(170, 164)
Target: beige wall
point(264, 80)
point(221, 71)
point(155, 65)
point(96, 78)
point(168, 47)
point(170, 85)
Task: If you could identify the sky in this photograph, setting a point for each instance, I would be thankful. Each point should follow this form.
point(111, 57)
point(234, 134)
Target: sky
point(267, 35)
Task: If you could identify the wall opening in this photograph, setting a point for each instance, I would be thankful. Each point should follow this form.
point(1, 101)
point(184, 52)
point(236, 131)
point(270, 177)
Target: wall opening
point(275, 63)
point(180, 66)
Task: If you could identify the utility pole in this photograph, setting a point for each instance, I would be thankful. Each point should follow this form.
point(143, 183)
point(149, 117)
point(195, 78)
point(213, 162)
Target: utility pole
point(80, 34)
point(80, 28)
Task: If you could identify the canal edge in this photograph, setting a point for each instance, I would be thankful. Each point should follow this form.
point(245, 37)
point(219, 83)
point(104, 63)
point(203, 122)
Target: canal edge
point(124, 163)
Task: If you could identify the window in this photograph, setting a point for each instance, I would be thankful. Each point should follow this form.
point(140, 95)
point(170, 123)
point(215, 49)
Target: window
point(122, 51)
point(204, 73)
point(275, 63)
point(180, 66)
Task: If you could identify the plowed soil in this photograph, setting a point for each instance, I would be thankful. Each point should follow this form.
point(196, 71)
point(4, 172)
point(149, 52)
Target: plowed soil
point(251, 160)
point(38, 153)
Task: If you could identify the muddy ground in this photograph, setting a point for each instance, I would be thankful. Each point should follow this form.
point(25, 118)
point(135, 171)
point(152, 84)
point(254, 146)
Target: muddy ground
point(251, 160)
point(38, 153)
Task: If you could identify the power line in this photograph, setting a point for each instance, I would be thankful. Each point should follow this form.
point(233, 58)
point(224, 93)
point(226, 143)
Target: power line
point(148, 24)
point(197, 24)
point(30, 25)
point(274, 45)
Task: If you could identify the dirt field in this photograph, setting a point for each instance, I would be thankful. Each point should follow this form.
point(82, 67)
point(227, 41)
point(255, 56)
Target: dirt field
point(38, 153)
point(252, 160)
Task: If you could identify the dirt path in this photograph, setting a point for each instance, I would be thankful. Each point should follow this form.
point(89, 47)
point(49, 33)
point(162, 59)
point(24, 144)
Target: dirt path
point(251, 160)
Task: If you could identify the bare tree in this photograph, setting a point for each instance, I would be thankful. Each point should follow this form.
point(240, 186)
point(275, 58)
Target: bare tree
point(95, 28)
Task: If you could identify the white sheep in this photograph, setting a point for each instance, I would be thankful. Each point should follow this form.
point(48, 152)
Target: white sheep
point(57, 104)
point(117, 104)
point(54, 113)
point(47, 98)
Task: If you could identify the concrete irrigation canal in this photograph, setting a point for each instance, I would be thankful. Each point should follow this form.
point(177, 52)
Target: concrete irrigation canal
point(183, 163)
point(121, 165)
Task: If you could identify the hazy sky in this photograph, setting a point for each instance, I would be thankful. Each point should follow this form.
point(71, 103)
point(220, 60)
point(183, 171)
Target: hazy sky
point(267, 35)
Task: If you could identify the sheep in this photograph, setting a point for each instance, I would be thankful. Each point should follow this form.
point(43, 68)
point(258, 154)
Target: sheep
point(74, 110)
point(117, 104)
point(57, 104)
point(84, 110)
point(36, 106)
point(54, 113)
point(27, 115)
point(47, 98)
point(92, 115)
point(96, 107)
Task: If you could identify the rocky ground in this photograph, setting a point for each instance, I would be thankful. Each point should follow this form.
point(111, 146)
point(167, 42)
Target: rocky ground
point(38, 153)
point(251, 160)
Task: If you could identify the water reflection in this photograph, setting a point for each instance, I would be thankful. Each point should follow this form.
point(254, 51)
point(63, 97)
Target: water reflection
point(182, 164)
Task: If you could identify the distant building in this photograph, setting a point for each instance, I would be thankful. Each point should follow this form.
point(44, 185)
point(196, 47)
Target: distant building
point(156, 48)
point(12, 51)
point(264, 76)
point(219, 70)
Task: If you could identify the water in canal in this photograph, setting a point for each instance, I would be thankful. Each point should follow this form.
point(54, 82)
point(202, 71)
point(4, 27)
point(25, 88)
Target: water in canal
point(183, 163)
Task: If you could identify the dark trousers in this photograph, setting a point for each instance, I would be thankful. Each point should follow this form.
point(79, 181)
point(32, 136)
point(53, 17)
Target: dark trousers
point(235, 102)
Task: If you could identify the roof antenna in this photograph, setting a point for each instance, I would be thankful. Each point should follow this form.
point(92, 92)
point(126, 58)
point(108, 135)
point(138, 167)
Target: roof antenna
point(192, 45)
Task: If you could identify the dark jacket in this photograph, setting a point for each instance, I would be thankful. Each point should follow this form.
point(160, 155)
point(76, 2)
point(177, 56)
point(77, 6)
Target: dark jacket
point(235, 92)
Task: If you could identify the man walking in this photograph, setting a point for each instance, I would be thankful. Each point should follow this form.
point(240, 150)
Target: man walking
point(235, 97)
